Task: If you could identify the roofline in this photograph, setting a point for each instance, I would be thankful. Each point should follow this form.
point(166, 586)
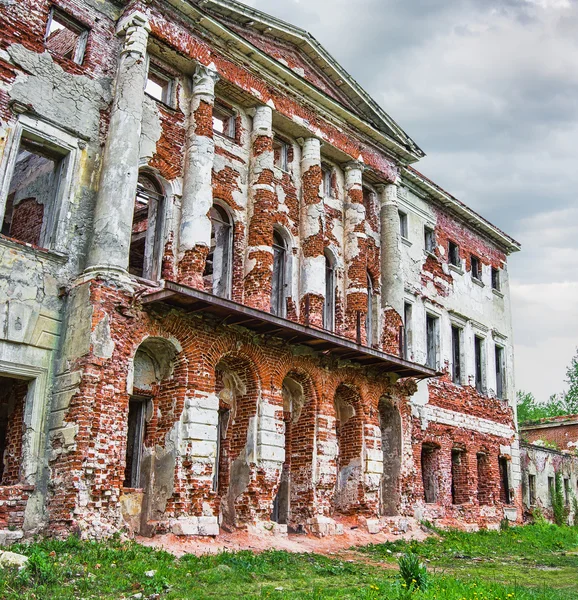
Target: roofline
point(406, 153)
point(546, 449)
point(470, 216)
point(572, 420)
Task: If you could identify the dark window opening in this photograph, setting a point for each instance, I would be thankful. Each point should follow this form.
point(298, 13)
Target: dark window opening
point(407, 330)
point(329, 308)
point(281, 153)
point(496, 283)
point(13, 394)
point(222, 425)
point(431, 324)
point(146, 239)
point(504, 480)
point(429, 239)
point(134, 441)
point(327, 189)
point(456, 355)
point(567, 492)
point(279, 284)
point(403, 225)
point(499, 353)
point(430, 472)
point(484, 479)
point(224, 121)
point(218, 266)
point(551, 490)
point(532, 490)
point(459, 477)
point(479, 363)
point(476, 268)
point(160, 85)
point(65, 36)
point(454, 254)
point(369, 321)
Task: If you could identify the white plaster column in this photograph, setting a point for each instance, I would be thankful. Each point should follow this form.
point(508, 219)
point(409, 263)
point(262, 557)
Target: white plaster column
point(197, 198)
point(312, 294)
point(113, 214)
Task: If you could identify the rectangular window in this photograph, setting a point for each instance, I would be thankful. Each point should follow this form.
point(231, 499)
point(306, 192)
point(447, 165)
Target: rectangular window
point(551, 490)
point(484, 478)
point(459, 477)
point(476, 268)
point(430, 473)
point(504, 480)
point(407, 330)
point(134, 441)
point(479, 363)
point(429, 239)
point(326, 181)
point(496, 284)
point(456, 354)
point(281, 152)
point(432, 339)
point(567, 492)
point(224, 120)
point(160, 85)
point(13, 394)
point(454, 254)
point(499, 372)
point(403, 226)
point(65, 36)
point(532, 490)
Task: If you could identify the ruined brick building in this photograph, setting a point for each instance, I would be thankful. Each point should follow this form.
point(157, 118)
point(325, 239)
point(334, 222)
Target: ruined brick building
point(226, 296)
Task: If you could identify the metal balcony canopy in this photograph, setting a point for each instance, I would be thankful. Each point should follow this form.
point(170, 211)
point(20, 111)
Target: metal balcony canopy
point(232, 313)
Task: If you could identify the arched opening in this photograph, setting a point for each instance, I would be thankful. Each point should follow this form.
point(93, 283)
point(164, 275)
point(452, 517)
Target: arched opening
point(146, 247)
point(237, 388)
point(294, 501)
point(349, 433)
point(218, 272)
point(390, 424)
point(430, 472)
point(279, 282)
point(330, 282)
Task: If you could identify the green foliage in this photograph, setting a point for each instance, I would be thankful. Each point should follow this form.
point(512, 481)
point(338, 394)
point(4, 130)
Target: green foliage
point(530, 410)
point(412, 571)
point(559, 507)
point(575, 510)
point(571, 396)
point(538, 517)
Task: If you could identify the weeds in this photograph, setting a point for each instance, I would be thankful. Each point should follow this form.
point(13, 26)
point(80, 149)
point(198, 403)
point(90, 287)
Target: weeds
point(412, 571)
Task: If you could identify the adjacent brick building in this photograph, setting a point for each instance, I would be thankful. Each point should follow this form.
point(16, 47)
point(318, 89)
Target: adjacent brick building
point(228, 299)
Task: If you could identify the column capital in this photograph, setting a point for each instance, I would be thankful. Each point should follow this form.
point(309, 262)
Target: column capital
point(354, 165)
point(388, 192)
point(135, 28)
point(205, 78)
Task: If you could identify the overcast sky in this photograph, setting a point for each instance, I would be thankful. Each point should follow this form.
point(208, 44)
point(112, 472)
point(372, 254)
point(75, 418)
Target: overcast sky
point(489, 90)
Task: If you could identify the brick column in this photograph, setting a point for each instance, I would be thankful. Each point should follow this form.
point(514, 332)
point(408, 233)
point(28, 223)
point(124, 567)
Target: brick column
point(259, 262)
point(392, 284)
point(312, 235)
point(109, 249)
point(197, 199)
point(355, 252)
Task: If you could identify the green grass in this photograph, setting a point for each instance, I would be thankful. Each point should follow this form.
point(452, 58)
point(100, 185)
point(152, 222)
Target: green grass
point(530, 563)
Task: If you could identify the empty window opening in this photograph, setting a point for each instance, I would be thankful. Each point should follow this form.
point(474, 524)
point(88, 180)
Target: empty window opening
point(499, 356)
point(567, 491)
point(281, 153)
point(327, 172)
point(476, 268)
point(496, 283)
point(329, 307)
point(224, 120)
point(430, 472)
point(504, 465)
point(407, 330)
point(218, 266)
point(369, 319)
point(532, 490)
point(13, 394)
point(134, 441)
point(484, 478)
point(459, 477)
point(456, 354)
point(432, 341)
point(403, 225)
point(65, 36)
point(454, 254)
point(222, 424)
point(551, 490)
point(479, 363)
point(146, 240)
point(31, 204)
point(279, 281)
point(390, 425)
point(160, 85)
point(429, 239)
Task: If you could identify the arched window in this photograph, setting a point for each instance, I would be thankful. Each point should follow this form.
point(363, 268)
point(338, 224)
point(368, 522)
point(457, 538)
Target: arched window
point(369, 326)
point(279, 283)
point(218, 267)
point(329, 307)
point(145, 251)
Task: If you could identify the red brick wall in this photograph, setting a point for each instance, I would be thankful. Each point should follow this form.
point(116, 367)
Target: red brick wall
point(27, 219)
point(564, 436)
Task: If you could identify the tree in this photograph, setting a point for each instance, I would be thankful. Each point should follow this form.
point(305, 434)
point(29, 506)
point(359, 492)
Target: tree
point(570, 399)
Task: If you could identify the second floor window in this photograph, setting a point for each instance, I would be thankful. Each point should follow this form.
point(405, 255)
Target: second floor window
point(223, 120)
point(279, 283)
point(479, 364)
point(65, 36)
point(454, 254)
point(499, 353)
point(456, 355)
point(432, 341)
point(329, 307)
point(496, 283)
point(476, 268)
point(429, 239)
point(281, 153)
point(369, 322)
point(218, 266)
point(403, 226)
point(160, 85)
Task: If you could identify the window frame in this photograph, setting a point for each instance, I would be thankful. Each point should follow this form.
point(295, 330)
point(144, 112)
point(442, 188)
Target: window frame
point(220, 107)
point(454, 258)
point(457, 365)
point(327, 174)
point(432, 346)
point(429, 239)
point(279, 300)
point(225, 282)
point(155, 67)
point(479, 364)
point(500, 370)
point(407, 329)
point(283, 145)
point(496, 280)
point(476, 268)
point(75, 26)
point(403, 224)
point(330, 287)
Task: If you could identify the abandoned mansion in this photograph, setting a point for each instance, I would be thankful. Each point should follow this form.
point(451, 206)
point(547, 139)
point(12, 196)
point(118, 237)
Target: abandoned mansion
point(227, 298)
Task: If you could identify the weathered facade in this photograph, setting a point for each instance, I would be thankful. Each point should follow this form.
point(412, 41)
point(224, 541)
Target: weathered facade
point(227, 298)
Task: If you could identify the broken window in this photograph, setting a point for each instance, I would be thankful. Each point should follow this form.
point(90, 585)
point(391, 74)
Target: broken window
point(160, 85)
point(146, 245)
point(13, 394)
point(369, 320)
point(33, 195)
point(65, 36)
point(224, 120)
point(454, 254)
point(479, 363)
point(496, 283)
point(429, 239)
point(459, 477)
point(281, 153)
point(134, 441)
point(499, 352)
point(279, 281)
point(484, 478)
point(403, 226)
point(504, 480)
point(476, 268)
point(218, 266)
point(329, 307)
point(407, 329)
point(326, 181)
point(430, 472)
point(532, 490)
point(456, 354)
point(432, 341)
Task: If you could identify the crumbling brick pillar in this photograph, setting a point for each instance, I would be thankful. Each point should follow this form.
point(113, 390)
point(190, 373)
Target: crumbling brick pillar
point(113, 214)
point(392, 285)
point(259, 262)
point(197, 199)
point(355, 254)
point(312, 235)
